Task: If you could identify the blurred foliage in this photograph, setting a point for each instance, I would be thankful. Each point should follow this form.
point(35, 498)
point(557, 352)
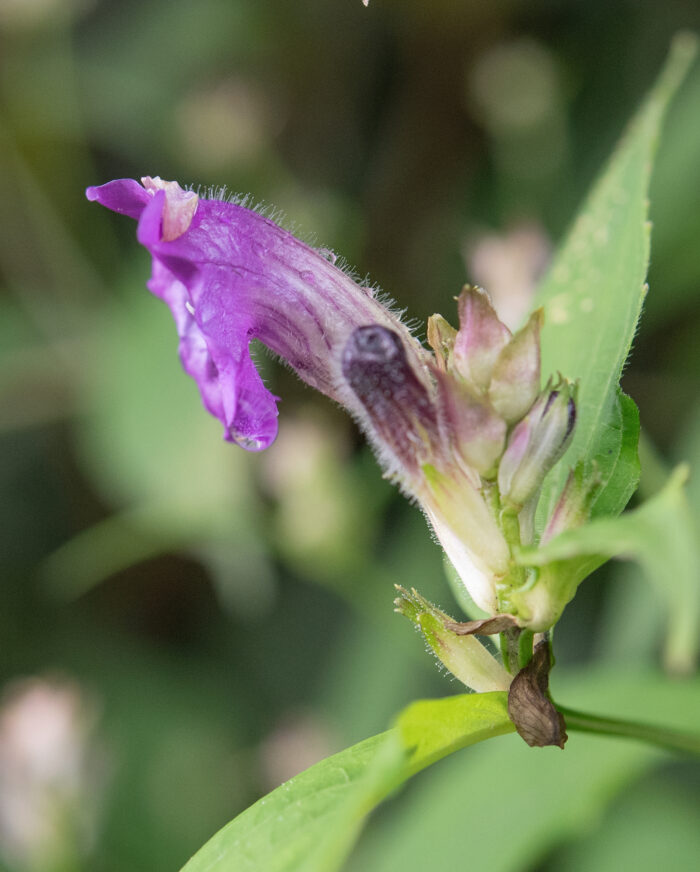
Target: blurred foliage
point(228, 616)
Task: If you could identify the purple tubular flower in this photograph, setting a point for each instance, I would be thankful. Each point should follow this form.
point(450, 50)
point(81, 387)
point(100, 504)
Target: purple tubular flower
point(230, 275)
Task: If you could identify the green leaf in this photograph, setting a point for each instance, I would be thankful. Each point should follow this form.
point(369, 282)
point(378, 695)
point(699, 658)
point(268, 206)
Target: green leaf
point(674, 208)
point(619, 440)
point(310, 823)
point(433, 728)
point(593, 297)
point(453, 817)
point(281, 831)
point(661, 536)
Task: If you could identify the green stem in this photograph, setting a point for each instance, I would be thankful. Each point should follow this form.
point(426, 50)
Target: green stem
point(525, 648)
point(510, 524)
point(671, 739)
point(516, 647)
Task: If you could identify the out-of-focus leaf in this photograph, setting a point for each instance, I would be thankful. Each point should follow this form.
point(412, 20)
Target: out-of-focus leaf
point(632, 626)
point(143, 77)
point(661, 536)
point(310, 823)
point(34, 381)
point(327, 506)
point(593, 297)
point(166, 721)
point(674, 268)
point(144, 436)
point(455, 815)
point(634, 619)
point(689, 450)
point(653, 827)
point(153, 452)
point(114, 544)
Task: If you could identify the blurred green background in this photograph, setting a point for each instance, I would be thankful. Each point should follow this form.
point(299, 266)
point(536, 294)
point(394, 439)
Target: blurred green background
point(183, 625)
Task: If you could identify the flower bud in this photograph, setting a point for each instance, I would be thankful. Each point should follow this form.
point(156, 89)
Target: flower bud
point(536, 444)
point(480, 339)
point(465, 657)
point(515, 382)
point(474, 430)
point(441, 338)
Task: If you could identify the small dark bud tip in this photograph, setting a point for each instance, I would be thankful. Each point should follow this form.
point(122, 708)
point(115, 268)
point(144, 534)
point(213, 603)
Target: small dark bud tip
point(372, 344)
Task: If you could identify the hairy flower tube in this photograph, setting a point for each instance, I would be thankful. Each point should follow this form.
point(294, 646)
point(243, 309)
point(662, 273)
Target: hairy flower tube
point(463, 429)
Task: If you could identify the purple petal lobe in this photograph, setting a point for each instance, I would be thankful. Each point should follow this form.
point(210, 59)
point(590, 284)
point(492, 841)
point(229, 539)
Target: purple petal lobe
point(123, 195)
point(150, 220)
point(230, 385)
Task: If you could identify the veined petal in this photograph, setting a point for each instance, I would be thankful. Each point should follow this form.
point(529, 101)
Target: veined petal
point(467, 531)
point(231, 275)
point(229, 384)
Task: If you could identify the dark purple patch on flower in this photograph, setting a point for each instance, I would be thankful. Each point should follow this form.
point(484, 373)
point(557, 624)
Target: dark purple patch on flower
point(396, 401)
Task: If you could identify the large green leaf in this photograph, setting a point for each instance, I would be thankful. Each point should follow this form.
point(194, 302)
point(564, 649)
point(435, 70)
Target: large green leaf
point(593, 297)
point(661, 535)
point(432, 728)
point(310, 823)
point(503, 806)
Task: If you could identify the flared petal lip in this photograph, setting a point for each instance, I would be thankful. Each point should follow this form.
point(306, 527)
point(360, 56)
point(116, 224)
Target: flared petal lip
point(229, 385)
point(125, 196)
